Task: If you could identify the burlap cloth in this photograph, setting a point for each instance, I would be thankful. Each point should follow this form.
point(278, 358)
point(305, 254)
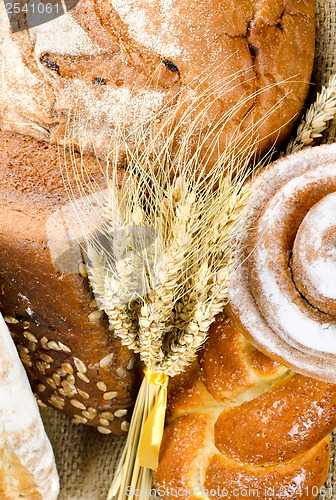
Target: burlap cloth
point(86, 460)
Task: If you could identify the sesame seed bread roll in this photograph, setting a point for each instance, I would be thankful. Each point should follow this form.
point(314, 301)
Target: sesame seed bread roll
point(241, 425)
point(74, 362)
point(27, 465)
point(243, 64)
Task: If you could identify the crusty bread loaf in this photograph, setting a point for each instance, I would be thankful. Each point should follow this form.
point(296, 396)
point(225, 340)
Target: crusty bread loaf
point(73, 360)
point(160, 63)
point(244, 426)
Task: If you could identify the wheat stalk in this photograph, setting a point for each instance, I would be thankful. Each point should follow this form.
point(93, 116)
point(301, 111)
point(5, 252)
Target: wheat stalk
point(316, 119)
point(161, 299)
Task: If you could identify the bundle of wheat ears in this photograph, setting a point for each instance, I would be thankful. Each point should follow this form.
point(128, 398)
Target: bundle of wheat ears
point(161, 261)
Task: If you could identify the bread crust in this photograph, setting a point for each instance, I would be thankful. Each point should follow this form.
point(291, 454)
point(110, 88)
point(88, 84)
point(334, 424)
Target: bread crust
point(45, 306)
point(266, 432)
point(191, 60)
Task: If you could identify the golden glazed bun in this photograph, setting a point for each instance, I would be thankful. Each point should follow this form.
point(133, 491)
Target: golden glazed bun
point(74, 362)
point(160, 63)
point(241, 423)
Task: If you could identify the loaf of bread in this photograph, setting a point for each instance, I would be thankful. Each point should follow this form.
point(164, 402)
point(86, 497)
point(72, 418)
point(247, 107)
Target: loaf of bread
point(283, 293)
point(244, 426)
point(210, 67)
point(27, 465)
point(73, 360)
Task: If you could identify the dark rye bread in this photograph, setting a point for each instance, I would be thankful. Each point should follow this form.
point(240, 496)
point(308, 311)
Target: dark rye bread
point(73, 360)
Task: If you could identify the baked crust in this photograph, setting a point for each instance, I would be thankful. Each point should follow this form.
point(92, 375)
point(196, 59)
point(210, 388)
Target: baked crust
point(266, 431)
point(27, 464)
point(136, 62)
point(48, 311)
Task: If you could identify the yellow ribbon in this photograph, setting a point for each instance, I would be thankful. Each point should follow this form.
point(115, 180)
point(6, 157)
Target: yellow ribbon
point(151, 437)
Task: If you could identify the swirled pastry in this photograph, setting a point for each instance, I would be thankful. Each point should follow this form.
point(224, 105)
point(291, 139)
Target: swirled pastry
point(244, 426)
point(283, 295)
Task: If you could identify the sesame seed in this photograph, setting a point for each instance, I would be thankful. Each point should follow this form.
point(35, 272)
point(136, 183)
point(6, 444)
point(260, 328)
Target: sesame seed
point(87, 415)
point(22, 349)
point(108, 415)
point(103, 430)
point(83, 270)
point(121, 372)
point(83, 377)
point(40, 403)
point(80, 365)
point(67, 368)
point(106, 360)
point(64, 347)
point(46, 358)
point(26, 325)
point(92, 410)
point(62, 391)
point(11, 320)
point(41, 387)
point(79, 419)
point(61, 372)
point(84, 394)
point(69, 389)
point(29, 311)
point(101, 386)
point(71, 379)
point(40, 366)
point(30, 336)
point(53, 345)
point(26, 360)
point(77, 404)
point(56, 378)
point(124, 425)
point(32, 346)
point(44, 343)
point(120, 413)
point(131, 363)
point(51, 382)
point(104, 422)
point(56, 401)
point(95, 315)
point(110, 395)
point(93, 303)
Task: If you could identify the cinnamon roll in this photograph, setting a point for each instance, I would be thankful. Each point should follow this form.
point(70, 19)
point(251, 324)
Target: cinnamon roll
point(283, 295)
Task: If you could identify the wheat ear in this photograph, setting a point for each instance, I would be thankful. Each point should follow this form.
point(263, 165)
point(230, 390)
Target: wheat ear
point(316, 119)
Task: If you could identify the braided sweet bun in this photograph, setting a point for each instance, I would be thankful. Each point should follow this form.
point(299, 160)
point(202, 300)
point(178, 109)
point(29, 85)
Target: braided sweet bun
point(283, 295)
point(243, 426)
point(141, 61)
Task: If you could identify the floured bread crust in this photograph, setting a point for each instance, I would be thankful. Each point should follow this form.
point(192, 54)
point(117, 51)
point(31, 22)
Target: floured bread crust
point(160, 63)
